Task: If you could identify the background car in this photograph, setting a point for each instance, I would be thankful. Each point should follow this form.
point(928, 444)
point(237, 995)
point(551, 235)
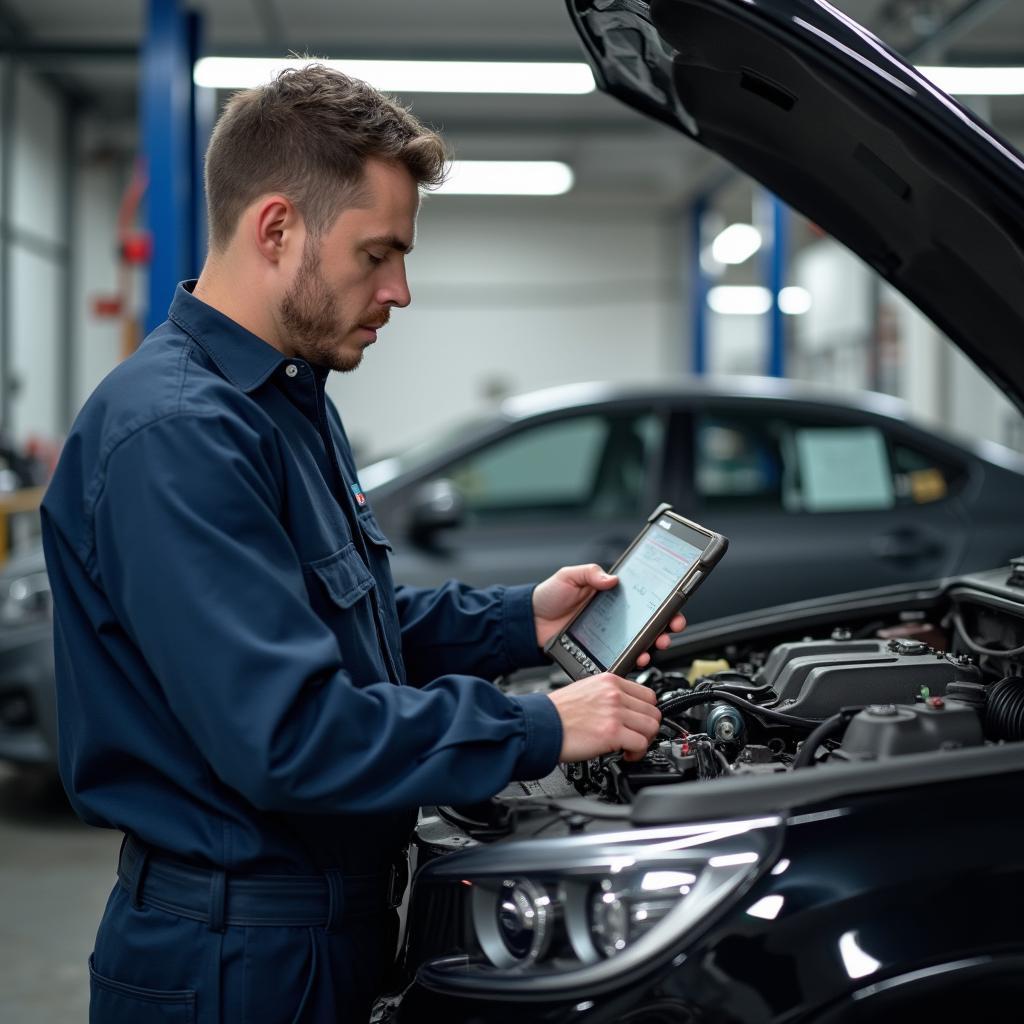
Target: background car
point(28, 711)
point(817, 493)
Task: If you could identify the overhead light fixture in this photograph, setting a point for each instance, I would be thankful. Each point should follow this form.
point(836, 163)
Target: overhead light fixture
point(978, 81)
point(507, 178)
point(736, 244)
point(404, 76)
point(740, 300)
point(795, 301)
point(754, 300)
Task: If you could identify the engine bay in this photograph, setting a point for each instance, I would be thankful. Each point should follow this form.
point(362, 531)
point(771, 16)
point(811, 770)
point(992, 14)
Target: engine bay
point(942, 673)
point(808, 698)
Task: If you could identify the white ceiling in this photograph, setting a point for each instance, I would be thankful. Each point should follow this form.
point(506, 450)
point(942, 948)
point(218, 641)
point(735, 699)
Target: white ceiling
point(618, 155)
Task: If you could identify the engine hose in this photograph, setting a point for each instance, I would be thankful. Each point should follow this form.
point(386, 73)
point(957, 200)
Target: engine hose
point(691, 700)
point(830, 727)
point(1004, 712)
point(976, 648)
point(740, 687)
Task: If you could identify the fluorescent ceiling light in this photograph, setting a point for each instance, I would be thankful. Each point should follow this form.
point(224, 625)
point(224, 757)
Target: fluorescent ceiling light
point(507, 178)
point(795, 301)
point(753, 300)
point(402, 76)
point(957, 81)
point(736, 244)
point(740, 300)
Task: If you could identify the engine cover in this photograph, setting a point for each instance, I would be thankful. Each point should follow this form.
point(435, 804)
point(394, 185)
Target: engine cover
point(886, 730)
point(815, 678)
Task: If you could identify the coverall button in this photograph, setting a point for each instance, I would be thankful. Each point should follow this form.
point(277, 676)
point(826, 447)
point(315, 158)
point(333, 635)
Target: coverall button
point(292, 370)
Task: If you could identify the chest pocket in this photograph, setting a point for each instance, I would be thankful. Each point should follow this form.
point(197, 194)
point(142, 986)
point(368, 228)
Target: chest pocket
point(342, 575)
point(340, 591)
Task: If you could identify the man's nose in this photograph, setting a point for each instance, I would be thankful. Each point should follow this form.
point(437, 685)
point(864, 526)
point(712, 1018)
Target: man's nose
point(396, 291)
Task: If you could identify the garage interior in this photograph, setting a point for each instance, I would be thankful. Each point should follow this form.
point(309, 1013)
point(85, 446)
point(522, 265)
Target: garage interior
point(654, 261)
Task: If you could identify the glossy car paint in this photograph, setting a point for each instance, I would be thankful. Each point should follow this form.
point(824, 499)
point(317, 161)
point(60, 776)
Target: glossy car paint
point(866, 925)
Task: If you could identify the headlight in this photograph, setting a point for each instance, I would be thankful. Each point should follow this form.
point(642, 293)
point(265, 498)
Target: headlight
point(24, 599)
point(553, 915)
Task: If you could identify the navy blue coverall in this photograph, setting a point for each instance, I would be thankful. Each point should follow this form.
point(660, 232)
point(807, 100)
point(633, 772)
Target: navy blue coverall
point(241, 686)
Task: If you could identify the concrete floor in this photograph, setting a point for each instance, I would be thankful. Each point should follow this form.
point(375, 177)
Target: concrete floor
point(55, 874)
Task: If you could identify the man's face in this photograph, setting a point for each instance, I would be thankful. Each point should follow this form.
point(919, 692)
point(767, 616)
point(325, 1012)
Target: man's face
point(349, 279)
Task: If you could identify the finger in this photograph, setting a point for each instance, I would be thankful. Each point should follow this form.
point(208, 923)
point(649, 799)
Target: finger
point(633, 743)
point(641, 707)
point(589, 575)
point(597, 578)
point(643, 660)
point(678, 624)
point(644, 724)
point(636, 690)
point(663, 642)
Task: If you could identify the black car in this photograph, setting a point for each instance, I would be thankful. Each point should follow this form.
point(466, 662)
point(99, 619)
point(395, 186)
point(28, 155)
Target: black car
point(827, 830)
point(28, 709)
point(565, 476)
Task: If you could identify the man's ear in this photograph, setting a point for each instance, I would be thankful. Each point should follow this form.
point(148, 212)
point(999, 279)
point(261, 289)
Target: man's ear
point(277, 227)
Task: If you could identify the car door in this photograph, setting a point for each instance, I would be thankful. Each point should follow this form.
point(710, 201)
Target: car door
point(813, 504)
point(560, 489)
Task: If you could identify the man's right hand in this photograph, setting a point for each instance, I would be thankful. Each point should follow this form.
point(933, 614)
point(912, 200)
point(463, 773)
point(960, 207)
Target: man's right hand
point(605, 713)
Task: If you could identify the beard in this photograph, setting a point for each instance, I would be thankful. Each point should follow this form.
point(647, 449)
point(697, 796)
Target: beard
point(315, 325)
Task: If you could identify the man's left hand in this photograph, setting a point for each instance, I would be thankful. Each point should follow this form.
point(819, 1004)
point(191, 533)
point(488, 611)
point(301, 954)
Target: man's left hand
point(560, 597)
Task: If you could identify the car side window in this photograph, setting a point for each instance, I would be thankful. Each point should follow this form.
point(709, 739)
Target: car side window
point(806, 466)
point(837, 469)
point(737, 461)
point(591, 465)
point(920, 478)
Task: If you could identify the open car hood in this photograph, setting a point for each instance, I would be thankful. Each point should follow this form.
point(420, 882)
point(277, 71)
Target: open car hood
point(813, 106)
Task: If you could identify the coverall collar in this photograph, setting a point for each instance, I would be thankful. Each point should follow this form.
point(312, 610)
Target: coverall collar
point(244, 358)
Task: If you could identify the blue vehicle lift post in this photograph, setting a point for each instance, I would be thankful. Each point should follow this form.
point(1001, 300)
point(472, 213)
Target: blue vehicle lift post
point(170, 143)
point(700, 284)
point(775, 263)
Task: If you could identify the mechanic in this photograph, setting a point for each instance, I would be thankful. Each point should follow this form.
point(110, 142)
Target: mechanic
point(242, 689)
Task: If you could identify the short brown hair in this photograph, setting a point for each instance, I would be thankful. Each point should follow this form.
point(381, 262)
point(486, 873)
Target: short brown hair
point(308, 135)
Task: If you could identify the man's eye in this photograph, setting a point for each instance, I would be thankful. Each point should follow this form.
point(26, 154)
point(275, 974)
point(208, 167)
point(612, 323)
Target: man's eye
point(375, 259)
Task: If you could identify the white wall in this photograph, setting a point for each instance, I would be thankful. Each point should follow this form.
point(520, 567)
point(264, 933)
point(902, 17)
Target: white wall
point(37, 264)
point(737, 343)
point(102, 169)
point(832, 339)
point(944, 387)
point(516, 295)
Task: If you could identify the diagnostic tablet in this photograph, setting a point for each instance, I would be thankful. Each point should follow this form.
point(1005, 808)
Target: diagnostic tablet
point(658, 572)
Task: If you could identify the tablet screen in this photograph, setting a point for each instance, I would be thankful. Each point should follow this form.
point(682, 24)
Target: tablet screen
point(648, 575)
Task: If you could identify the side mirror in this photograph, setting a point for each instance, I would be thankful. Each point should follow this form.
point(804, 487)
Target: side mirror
point(437, 505)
